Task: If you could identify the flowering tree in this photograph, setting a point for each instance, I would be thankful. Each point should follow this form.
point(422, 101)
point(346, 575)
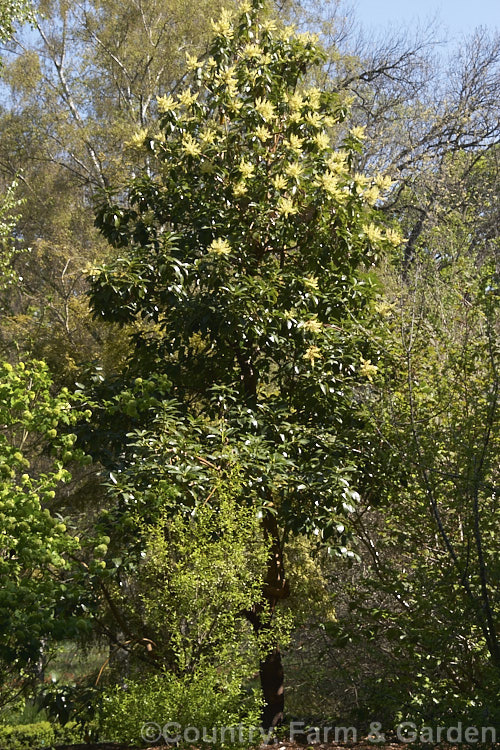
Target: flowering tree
point(245, 266)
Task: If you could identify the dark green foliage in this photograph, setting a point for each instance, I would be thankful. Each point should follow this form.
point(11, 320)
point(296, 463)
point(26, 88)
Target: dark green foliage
point(245, 266)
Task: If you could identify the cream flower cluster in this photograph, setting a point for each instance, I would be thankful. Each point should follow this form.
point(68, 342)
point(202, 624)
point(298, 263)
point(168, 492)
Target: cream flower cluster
point(220, 247)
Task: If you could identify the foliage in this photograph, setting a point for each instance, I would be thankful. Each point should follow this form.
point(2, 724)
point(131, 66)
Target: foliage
point(77, 82)
point(176, 702)
point(38, 599)
point(423, 602)
point(12, 12)
point(188, 574)
point(184, 586)
point(244, 255)
point(41, 734)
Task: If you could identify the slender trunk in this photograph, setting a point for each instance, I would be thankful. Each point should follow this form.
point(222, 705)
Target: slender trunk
point(275, 585)
point(271, 667)
point(272, 683)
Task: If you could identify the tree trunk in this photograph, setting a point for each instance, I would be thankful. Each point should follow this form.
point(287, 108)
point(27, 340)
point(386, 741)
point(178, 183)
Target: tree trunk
point(272, 683)
point(275, 588)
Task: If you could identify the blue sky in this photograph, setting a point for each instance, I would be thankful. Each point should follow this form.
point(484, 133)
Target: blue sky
point(455, 17)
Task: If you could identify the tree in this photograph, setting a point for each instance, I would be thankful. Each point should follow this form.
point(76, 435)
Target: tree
point(421, 606)
point(78, 82)
point(40, 599)
point(245, 251)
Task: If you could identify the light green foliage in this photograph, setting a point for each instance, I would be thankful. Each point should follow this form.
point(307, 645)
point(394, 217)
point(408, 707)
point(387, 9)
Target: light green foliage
point(36, 596)
point(206, 570)
point(176, 702)
point(9, 204)
point(194, 576)
point(12, 12)
point(189, 575)
point(42, 734)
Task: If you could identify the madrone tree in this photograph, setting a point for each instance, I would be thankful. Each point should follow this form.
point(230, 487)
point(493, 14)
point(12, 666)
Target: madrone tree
point(244, 263)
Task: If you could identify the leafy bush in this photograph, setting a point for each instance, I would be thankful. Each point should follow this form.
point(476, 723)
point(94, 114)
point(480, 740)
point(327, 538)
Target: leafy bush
point(170, 703)
point(42, 734)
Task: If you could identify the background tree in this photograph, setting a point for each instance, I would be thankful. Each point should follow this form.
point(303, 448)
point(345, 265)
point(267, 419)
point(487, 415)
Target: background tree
point(81, 68)
point(40, 600)
point(421, 603)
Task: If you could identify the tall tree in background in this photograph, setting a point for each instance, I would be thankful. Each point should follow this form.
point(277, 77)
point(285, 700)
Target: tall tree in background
point(77, 86)
point(423, 596)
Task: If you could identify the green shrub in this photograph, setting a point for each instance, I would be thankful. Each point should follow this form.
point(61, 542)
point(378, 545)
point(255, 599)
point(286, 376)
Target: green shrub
point(40, 735)
point(170, 703)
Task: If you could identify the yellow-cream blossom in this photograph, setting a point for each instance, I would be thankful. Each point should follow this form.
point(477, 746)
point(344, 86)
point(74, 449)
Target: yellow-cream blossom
point(246, 168)
point(367, 369)
point(312, 353)
point(371, 195)
point(295, 102)
point(322, 141)
point(373, 233)
point(190, 146)
point(252, 51)
point(329, 121)
point(166, 103)
point(358, 133)
point(240, 189)
point(192, 62)
point(393, 237)
point(287, 32)
point(337, 162)
point(220, 247)
point(234, 104)
point(187, 97)
point(384, 308)
point(311, 283)
point(314, 119)
point(269, 25)
point(226, 76)
point(223, 26)
point(313, 324)
point(208, 135)
point(328, 181)
point(294, 170)
point(263, 133)
point(285, 207)
point(138, 138)
point(265, 108)
point(361, 180)
point(313, 98)
point(383, 182)
point(308, 36)
point(280, 182)
point(294, 143)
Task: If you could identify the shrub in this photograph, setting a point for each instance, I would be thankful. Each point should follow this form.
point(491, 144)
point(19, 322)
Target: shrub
point(42, 734)
point(169, 704)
